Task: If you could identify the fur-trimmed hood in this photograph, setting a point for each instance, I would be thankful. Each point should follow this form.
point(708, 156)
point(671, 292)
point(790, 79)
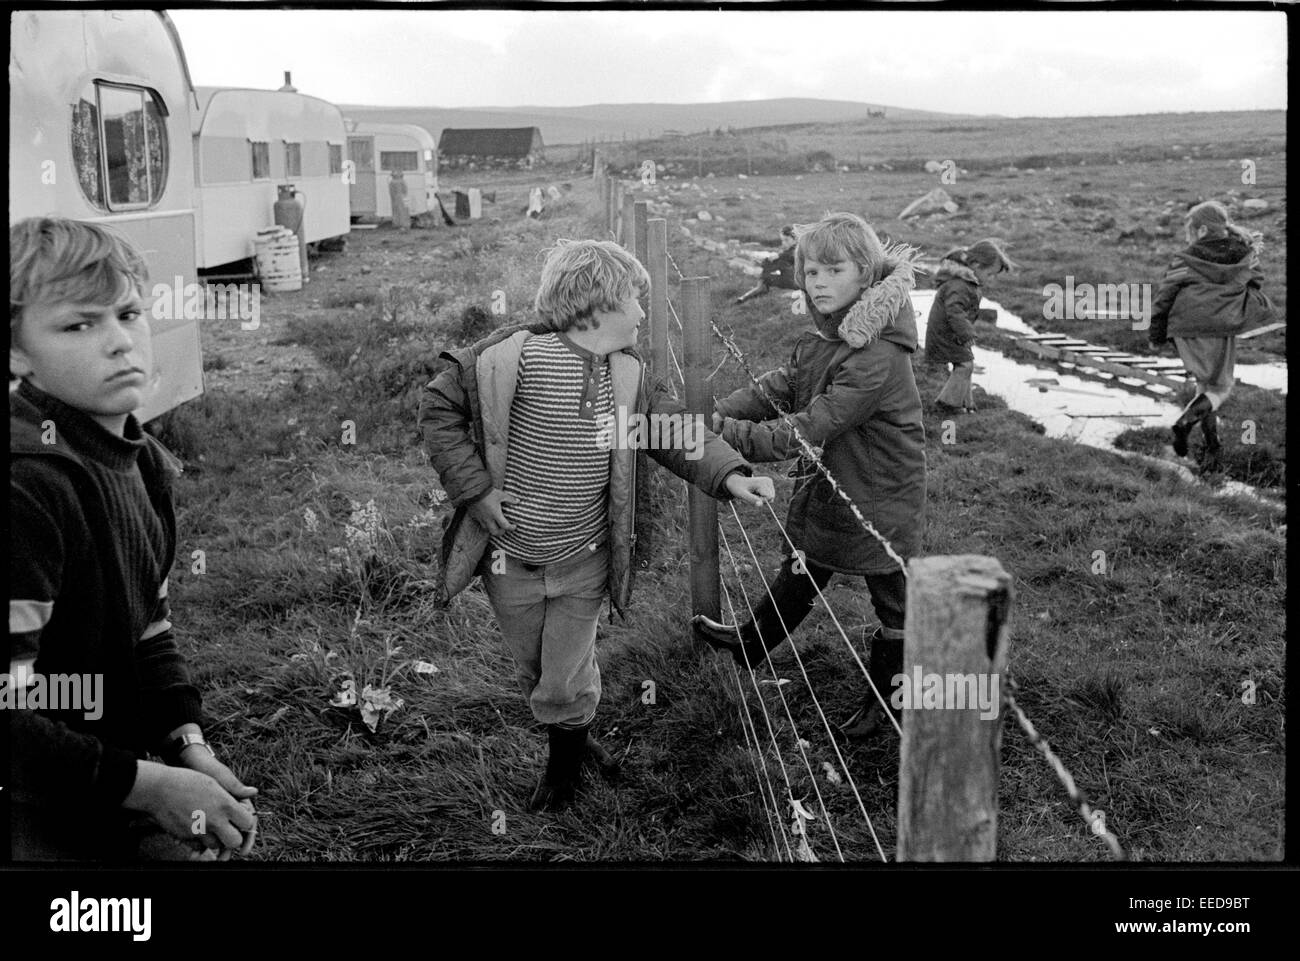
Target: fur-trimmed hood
point(954, 270)
point(884, 311)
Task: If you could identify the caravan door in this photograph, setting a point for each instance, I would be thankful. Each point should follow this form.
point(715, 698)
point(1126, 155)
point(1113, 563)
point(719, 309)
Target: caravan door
point(361, 151)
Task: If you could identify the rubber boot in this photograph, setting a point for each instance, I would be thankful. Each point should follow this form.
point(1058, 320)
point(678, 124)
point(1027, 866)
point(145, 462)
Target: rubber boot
point(1196, 410)
point(1210, 460)
point(884, 662)
point(559, 783)
point(744, 643)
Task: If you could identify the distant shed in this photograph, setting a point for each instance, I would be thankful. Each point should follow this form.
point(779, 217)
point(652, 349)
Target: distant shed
point(491, 146)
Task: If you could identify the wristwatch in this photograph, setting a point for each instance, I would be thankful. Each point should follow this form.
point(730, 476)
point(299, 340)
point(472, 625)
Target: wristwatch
point(178, 744)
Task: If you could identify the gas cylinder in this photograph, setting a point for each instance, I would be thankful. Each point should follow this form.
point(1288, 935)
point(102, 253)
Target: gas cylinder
point(290, 211)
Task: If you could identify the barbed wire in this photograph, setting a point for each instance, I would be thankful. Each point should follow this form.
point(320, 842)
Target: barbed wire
point(812, 454)
point(1096, 820)
point(680, 275)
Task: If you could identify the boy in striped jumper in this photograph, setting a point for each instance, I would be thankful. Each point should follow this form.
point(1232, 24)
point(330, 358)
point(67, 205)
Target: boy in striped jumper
point(533, 432)
point(95, 681)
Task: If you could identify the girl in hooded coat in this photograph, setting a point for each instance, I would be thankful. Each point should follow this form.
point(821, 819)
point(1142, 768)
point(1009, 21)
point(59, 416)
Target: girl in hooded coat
point(1210, 293)
point(849, 389)
point(950, 329)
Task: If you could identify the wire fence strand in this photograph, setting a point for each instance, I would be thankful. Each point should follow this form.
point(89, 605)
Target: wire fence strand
point(1095, 819)
point(807, 680)
point(756, 757)
point(794, 729)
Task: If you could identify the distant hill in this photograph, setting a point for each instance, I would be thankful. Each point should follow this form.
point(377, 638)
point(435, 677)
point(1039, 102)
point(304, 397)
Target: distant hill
point(635, 121)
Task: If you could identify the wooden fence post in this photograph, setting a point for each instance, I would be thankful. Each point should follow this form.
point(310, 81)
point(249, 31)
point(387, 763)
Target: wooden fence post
point(706, 597)
point(657, 263)
point(640, 214)
point(955, 653)
point(611, 217)
point(617, 225)
point(597, 165)
point(626, 234)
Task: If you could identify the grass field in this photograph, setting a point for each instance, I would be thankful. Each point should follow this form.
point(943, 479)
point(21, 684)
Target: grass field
point(1135, 676)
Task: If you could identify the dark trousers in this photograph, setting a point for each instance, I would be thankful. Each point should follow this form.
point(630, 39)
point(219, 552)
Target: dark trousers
point(795, 595)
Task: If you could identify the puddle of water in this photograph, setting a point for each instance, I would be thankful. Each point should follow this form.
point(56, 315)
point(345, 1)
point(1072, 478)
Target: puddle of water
point(1070, 407)
point(1076, 408)
point(1270, 376)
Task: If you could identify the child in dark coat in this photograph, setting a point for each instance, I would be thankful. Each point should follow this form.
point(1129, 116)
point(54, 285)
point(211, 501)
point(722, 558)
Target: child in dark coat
point(849, 389)
point(1210, 293)
point(950, 329)
point(92, 539)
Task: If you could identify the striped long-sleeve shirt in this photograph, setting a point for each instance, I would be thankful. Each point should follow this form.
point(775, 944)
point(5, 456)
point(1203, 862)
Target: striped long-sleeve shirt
point(556, 462)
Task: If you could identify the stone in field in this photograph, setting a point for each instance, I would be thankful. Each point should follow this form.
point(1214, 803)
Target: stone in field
point(932, 203)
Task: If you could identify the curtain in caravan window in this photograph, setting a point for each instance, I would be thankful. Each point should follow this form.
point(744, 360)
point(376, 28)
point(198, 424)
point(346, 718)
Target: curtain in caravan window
point(336, 158)
point(156, 128)
point(261, 160)
point(86, 146)
point(292, 159)
point(126, 146)
point(399, 160)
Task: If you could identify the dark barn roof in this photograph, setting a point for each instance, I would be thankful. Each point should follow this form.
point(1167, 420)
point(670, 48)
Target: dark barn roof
point(489, 141)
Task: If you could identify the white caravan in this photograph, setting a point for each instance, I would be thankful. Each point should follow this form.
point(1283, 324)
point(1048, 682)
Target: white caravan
point(99, 130)
point(375, 151)
point(247, 143)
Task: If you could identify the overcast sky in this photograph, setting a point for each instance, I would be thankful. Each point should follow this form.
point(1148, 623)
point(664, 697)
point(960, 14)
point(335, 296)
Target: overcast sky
point(1011, 63)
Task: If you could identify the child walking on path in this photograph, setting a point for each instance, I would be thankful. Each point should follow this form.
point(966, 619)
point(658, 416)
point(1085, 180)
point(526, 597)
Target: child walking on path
point(92, 539)
point(849, 389)
point(950, 329)
point(524, 431)
point(1210, 293)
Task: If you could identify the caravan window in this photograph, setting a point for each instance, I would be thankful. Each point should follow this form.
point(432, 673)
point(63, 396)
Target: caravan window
point(336, 158)
point(119, 146)
point(261, 160)
point(399, 160)
point(292, 159)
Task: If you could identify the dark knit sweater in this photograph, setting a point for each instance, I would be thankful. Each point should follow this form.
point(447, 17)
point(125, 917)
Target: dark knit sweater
point(92, 540)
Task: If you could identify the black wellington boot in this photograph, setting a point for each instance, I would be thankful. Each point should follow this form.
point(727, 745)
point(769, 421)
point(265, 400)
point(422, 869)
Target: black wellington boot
point(1210, 460)
point(1189, 418)
point(568, 747)
point(884, 662)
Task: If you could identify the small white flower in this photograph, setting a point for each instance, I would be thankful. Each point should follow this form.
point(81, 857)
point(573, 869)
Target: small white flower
point(310, 520)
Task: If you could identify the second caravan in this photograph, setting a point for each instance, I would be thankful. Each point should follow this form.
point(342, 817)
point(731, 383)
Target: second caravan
point(248, 143)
